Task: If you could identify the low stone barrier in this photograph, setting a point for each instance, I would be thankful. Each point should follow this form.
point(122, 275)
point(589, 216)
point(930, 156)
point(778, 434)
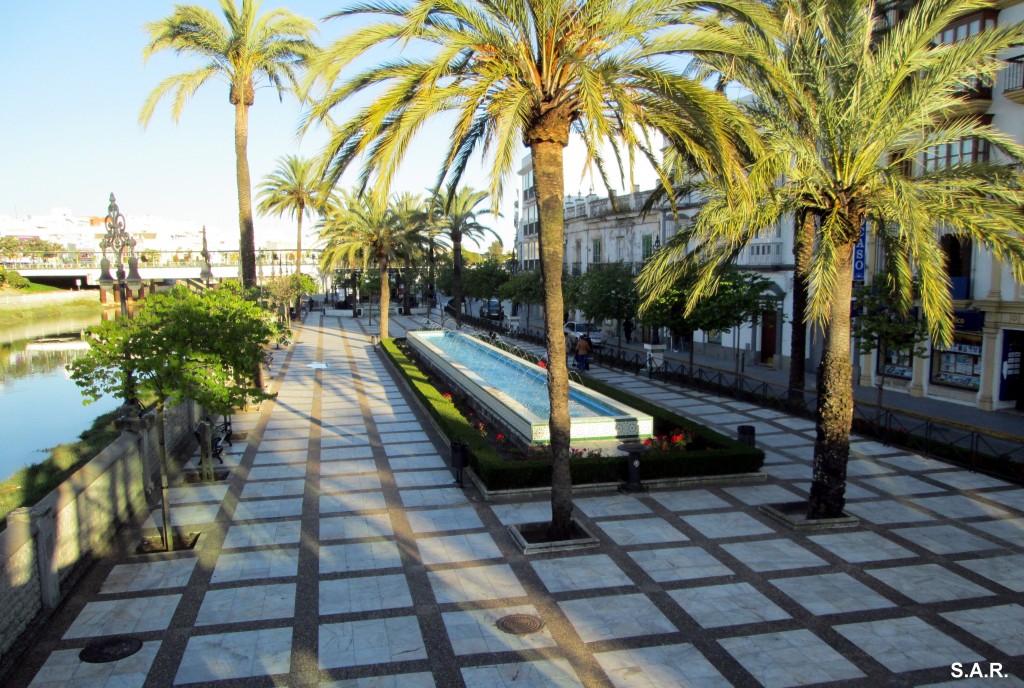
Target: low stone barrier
point(46, 547)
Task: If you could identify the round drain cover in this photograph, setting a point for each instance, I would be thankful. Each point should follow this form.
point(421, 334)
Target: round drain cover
point(520, 624)
point(110, 649)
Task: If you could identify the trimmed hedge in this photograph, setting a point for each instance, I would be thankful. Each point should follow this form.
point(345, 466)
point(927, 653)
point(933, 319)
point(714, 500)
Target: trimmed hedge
point(723, 455)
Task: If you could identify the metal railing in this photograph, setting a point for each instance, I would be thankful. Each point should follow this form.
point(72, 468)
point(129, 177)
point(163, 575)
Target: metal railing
point(978, 449)
point(1013, 74)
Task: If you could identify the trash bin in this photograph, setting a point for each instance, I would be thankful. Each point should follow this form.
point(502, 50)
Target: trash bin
point(746, 434)
point(633, 451)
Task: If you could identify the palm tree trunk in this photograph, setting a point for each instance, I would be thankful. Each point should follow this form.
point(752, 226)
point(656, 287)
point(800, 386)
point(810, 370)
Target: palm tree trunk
point(247, 239)
point(457, 276)
point(406, 295)
point(298, 258)
point(803, 247)
point(385, 296)
point(835, 400)
point(549, 175)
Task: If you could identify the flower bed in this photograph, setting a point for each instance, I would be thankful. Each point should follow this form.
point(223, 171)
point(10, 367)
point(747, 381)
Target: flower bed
point(703, 453)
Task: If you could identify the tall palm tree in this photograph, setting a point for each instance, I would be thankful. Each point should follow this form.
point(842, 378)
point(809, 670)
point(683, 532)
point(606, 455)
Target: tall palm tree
point(247, 50)
point(291, 189)
point(420, 224)
point(457, 216)
point(873, 108)
point(513, 72)
point(360, 231)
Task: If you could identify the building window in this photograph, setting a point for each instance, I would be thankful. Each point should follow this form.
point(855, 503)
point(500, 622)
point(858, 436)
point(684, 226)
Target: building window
point(896, 362)
point(595, 252)
point(960, 364)
point(969, 150)
point(958, 264)
point(647, 245)
point(968, 25)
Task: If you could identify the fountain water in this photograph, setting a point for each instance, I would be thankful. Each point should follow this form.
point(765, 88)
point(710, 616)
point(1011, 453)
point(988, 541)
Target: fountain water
point(514, 392)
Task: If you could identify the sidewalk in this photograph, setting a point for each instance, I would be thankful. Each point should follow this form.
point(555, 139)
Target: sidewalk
point(1004, 421)
point(341, 554)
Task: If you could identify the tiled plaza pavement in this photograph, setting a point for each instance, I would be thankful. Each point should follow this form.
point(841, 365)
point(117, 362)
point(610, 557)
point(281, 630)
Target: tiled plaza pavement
point(341, 554)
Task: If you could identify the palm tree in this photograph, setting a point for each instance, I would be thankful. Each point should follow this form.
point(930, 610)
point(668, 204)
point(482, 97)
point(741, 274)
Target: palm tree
point(291, 189)
point(458, 217)
point(528, 72)
point(873, 109)
point(420, 225)
point(246, 51)
point(362, 232)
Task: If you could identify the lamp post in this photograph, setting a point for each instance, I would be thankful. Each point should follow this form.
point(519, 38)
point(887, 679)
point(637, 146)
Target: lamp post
point(206, 273)
point(117, 239)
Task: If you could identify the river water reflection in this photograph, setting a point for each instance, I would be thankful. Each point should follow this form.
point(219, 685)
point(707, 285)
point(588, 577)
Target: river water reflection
point(40, 406)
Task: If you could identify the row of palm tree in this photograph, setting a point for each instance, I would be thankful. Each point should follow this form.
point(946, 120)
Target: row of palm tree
point(358, 231)
point(842, 114)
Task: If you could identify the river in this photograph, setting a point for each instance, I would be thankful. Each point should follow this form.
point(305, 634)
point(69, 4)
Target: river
point(40, 406)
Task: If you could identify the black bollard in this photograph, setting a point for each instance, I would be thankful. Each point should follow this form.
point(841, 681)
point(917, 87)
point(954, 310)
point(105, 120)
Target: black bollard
point(460, 459)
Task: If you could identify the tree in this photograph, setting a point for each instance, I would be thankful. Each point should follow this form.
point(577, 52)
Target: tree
point(362, 232)
point(246, 51)
point(524, 288)
point(608, 294)
point(880, 325)
point(181, 345)
point(738, 299)
point(874, 111)
point(289, 289)
point(457, 216)
point(529, 72)
point(292, 189)
point(484, 279)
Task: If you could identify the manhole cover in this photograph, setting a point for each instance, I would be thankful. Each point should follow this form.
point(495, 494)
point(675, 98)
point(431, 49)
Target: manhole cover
point(520, 624)
point(110, 650)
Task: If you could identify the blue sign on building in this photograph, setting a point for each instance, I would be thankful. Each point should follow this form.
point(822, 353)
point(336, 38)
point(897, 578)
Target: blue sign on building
point(860, 253)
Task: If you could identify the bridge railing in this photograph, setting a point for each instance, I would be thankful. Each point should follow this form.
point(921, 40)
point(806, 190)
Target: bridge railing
point(90, 260)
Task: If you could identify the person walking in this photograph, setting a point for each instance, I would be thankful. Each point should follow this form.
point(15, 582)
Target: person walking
point(627, 329)
point(583, 349)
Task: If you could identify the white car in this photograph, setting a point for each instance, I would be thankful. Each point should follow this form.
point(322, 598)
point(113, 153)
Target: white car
point(575, 329)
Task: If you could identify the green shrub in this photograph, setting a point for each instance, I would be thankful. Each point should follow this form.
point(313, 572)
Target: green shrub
point(720, 456)
point(13, 279)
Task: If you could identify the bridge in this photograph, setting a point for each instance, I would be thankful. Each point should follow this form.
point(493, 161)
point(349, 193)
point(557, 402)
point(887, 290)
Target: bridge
point(84, 267)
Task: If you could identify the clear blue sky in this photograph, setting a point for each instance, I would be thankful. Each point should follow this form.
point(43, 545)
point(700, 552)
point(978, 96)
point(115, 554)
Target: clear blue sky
point(73, 82)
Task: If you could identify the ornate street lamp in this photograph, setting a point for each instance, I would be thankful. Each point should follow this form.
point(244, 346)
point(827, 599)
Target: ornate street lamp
point(206, 273)
point(117, 239)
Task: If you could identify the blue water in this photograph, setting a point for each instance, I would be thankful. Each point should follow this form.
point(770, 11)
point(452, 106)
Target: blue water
point(525, 383)
point(40, 406)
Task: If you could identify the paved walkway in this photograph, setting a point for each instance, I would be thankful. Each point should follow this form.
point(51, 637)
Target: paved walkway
point(340, 554)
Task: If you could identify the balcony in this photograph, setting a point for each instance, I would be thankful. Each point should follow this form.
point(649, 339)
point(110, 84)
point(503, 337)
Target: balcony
point(976, 99)
point(1012, 78)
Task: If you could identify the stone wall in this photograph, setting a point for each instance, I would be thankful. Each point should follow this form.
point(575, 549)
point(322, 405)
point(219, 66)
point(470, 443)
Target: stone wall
point(45, 547)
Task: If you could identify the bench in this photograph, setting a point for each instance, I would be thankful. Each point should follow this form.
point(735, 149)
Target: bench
point(219, 435)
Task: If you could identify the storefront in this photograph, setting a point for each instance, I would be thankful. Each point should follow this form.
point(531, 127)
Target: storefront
point(1011, 382)
point(960, 364)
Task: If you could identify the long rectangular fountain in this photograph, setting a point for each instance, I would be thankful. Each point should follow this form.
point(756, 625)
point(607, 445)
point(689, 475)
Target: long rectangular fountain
point(513, 392)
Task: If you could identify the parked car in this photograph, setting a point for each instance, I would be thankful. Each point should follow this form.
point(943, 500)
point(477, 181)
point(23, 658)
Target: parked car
point(492, 310)
point(449, 308)
point(576, 329)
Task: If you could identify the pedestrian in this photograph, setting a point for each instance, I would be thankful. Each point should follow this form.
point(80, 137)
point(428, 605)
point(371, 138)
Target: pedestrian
point(583, 349)
point(627, 329)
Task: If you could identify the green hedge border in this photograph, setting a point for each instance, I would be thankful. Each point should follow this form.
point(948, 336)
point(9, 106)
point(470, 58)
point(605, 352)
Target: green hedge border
point(726, 456)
